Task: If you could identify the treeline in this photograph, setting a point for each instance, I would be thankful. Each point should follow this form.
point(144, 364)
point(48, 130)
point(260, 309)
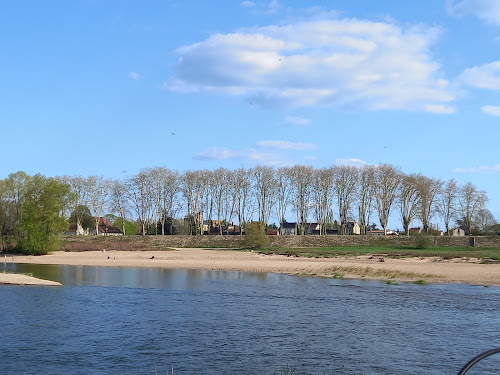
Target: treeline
point(32, 212)
point(157, 198)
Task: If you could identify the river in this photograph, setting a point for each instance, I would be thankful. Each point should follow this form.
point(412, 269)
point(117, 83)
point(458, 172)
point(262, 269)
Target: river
point(124, 321)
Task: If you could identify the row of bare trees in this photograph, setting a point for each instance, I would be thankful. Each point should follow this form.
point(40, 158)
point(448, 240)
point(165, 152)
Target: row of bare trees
point(300, 193)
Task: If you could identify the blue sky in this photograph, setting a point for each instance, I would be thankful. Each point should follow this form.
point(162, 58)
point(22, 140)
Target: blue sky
point(103, 87)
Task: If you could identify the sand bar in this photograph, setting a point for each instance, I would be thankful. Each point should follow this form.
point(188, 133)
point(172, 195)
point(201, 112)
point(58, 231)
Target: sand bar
point(19, 279)
point(432, 270)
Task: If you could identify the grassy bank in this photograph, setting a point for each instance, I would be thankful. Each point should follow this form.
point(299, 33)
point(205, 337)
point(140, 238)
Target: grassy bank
point(485, 254)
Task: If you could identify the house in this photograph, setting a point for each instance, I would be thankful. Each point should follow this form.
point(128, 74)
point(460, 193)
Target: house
point(311, 228)
point(105, 228)
point(288, 229)
point(352, 227)
point(458, 232)
point(76, 230)
point(417, 230)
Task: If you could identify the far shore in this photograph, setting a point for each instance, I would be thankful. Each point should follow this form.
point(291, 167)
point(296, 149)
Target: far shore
point(422, 270)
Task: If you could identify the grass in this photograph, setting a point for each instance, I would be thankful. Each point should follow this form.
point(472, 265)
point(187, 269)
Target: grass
point(485, 254)
point(342, 272)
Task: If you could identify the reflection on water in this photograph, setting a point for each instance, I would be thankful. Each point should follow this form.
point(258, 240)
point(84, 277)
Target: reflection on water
point(130, 277)
point(127, 320)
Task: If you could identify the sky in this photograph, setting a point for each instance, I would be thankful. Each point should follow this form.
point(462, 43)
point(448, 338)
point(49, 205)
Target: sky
point(110, 87)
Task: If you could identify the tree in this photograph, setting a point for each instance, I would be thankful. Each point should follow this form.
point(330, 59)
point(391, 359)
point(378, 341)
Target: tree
point(193, 187)
point(128, 228)
point(447, 203)
point(42, 219)
point(98, 191)
point(242, 196)
point(387, 180)
point(409, 200)
point(264, 187)
point(119, 203)
point(283, 193)
point(140, 194)
point(485, 222)
point(84, 216)
point(302, 182)
point(80, 194)
point(366, 186)
point(470, 201)
point(428, 190)
point(255, 235)
point(322, 196)
point(345, 179)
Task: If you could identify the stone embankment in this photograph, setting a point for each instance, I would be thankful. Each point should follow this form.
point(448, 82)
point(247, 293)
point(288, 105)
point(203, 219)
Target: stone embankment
point(135, 243)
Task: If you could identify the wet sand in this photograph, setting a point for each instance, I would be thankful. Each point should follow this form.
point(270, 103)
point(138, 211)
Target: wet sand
point(431, 270)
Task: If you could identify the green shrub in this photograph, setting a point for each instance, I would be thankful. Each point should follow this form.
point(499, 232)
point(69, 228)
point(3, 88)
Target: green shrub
point(422, 241)
point(255, 236)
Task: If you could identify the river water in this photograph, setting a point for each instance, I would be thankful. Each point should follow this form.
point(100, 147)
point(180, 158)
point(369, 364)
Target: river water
point(128, 320)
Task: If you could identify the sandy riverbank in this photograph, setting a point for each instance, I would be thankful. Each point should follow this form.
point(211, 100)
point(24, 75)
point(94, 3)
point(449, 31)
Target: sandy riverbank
point(19, 279)
point(432, 270)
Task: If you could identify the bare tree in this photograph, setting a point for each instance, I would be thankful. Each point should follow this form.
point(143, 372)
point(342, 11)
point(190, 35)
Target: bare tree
point(283, 193)
point(142, 197)
point(220, 189)
point(119, 201)
point(80, 194)
point(428, 189)
point(98, 189)
point(323, 196)
point(166, 185)
point(387, 180)
point(447, 203)
point(193, 190)
point(242, 194)
point(409, 200)
point(228, 198)
point(470, 201)
point(345, 179)
point(365, 191)
point(485, 222)
point(302, 181)
point(264, 186)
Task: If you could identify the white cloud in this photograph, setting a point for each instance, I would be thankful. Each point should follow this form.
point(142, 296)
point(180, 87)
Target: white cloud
point(134, 75)
point(247, 156)
point(286, 145)
point(440, 109)
point(486, 10)
point(247, 4)
point(491, 110)
point(350, 162)
point(294, 120)
point(482, 170)
point(346, 63)
point(485, 76)
point(275, 153)
point(220, 154)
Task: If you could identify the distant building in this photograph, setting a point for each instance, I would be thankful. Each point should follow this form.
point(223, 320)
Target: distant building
point(288, 229)
point(458, 232)
point(352, 227)
point(105, 228)
point(76, 230)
